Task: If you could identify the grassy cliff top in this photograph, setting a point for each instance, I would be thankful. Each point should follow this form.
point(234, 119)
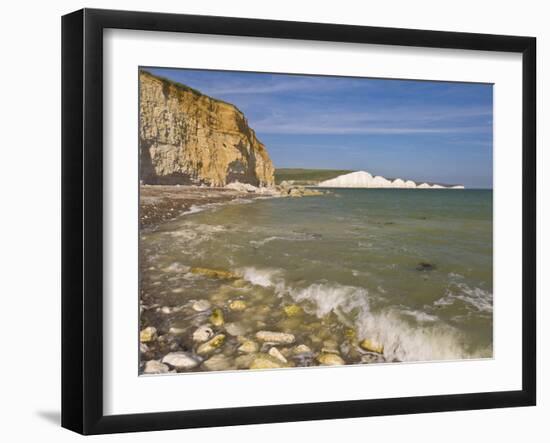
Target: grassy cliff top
point(168, 82)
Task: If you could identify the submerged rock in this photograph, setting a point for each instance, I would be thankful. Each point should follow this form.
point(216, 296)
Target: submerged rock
point(237, 305)
point(170, 309)
point(293, 310)
point(181, 360)
point(265, 361)
point(148, 334)
point(217, 317)
point(169, 342)
point(275, 337)
point(244, 361)
point(372, 346)
point(211, 345)
point(330, 347)
point(240, 283)
point(218, 362)
point(214, 273)
point(202, 305)
point(155, 367)
point(301, 349)
point(235, 329)
point(424, 266)
point(143, 348)
point(330, 359)
point(248, 347)
point(203, 333)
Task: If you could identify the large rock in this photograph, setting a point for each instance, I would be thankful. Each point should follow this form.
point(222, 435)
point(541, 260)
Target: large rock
point(372, 346)
point(211, 345)
point(265, 361)
point(276, 354)
point(181, 360)
point(216, 318)
point(235, 329)
point(148, 334)
point(328, 359)
point(186, 137)
point(275, 337)
point(201, 305)
point(155, 367)
point(203, 333)
point(218, 362)
point(248, 347)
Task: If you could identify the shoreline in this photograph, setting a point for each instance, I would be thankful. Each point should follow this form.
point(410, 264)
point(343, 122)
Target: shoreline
point(161, 203)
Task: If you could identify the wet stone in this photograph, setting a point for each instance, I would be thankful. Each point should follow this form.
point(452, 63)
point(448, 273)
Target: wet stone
point(275, 337)
point(244, 361)
point(372, 346)
point(203, 333)
point(217, 318)
point(330, 360)
point(155, 367)
point(235, 329)
point(293, 310)
point(425, 266)
point(301, 349)
point(181, 360)
point(218, 362)
point(265, 361)
point(275, 353)
point(330, 347)
point(148, 334)
point(237, 305)
point(248, 347)
point(211, 345)
point(201, 305)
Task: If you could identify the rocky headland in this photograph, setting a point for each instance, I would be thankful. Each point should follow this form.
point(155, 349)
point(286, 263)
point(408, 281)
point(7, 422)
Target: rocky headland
point(188, 138)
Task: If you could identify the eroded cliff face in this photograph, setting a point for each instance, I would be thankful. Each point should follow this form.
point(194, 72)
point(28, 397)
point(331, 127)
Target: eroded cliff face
point(186, 137)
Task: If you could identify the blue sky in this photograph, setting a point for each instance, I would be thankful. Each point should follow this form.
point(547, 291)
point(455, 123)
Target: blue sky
point(419, 130)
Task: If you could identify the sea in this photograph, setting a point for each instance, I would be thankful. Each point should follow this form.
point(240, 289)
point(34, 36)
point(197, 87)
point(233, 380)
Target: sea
point(409, 269)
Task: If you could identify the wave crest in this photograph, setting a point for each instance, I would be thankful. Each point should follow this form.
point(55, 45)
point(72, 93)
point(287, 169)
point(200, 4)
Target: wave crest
point(402, 341)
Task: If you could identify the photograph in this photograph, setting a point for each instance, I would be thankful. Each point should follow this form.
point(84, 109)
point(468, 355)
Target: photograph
point(292, 221)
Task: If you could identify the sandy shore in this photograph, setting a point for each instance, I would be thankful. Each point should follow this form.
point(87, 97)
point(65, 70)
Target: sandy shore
point(159, 204)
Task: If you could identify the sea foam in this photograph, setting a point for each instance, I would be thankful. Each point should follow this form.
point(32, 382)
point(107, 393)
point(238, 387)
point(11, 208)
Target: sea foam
point(402, 341)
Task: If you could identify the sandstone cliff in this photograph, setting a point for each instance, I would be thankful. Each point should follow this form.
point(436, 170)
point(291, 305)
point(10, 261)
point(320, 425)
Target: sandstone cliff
point(186, 137)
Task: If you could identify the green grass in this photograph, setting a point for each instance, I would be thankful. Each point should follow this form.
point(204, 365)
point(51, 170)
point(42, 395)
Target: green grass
point(307, 176)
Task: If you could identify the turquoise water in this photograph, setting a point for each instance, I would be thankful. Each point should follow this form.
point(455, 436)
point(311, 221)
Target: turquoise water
point(409, 269)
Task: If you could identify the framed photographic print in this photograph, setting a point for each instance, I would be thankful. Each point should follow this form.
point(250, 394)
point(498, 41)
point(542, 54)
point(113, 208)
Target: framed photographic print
point(270, 221)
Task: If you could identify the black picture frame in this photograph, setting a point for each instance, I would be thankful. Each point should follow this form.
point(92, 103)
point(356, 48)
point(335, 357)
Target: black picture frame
point(82, 219)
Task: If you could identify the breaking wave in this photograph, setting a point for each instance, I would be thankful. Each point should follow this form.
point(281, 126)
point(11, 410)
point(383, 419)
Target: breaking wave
point(402, 341)
point(476, 299)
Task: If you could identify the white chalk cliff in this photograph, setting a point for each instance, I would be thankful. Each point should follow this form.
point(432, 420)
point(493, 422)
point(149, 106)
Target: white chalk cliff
point(362, 179)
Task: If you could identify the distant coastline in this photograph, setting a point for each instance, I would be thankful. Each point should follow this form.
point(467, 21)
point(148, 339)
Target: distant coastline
point(333, 178)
